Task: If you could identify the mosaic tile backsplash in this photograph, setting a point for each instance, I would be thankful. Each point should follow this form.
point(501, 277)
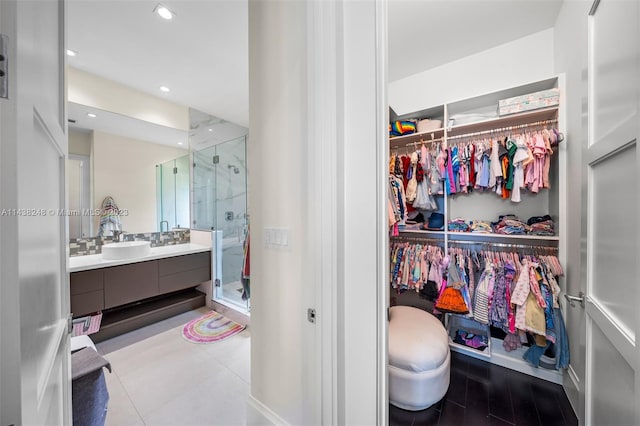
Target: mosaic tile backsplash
point(93, 245)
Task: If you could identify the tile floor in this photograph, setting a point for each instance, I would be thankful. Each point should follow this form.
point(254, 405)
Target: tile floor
point(159, 378)
point(482, 394)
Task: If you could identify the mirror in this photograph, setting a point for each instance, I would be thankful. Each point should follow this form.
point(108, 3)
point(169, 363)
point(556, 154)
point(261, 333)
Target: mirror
point(119, 156)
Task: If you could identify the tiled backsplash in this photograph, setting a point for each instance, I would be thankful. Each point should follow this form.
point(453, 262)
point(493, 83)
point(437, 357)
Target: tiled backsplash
point(93, 245)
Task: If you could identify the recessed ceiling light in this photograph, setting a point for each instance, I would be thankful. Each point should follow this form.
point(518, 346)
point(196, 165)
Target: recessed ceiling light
point(71, 52)
point(164, 89)
point(92, 115)
point(164, 12)
point(211, 130)
point(179, 143)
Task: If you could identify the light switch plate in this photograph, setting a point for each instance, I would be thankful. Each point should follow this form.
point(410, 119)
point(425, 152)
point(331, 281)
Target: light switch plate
point(276, 238)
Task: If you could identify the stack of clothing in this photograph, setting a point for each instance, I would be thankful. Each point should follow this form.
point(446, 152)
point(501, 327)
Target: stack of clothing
point(480, 227)
point(510, 225)
point(458, 225)
point(472, 340)
point(541, 225)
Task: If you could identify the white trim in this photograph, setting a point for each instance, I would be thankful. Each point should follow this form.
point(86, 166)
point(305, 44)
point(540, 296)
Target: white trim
point(382, 160)
point(574, 377)
point(622, 341)
point(231, 305)
point(57, 335)
point(259, 414)
point(322, 21)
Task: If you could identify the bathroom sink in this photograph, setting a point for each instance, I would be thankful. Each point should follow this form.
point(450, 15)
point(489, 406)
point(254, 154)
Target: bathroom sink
point(126, 250)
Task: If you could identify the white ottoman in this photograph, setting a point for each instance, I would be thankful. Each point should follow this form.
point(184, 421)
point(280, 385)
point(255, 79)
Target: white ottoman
point(419, 358)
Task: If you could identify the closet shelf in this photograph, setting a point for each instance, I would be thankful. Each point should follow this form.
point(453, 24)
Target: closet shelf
point(464, 236)
point(477, 237)
point(518, 119)
point(422, 233)
point(402, 141)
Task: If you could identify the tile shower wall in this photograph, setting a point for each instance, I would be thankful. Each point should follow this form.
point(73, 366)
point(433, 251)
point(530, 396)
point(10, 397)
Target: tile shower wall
point(93, 245)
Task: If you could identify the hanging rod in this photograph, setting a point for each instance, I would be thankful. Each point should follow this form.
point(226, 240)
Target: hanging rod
point(505, 129)
point(502, 245)
point(416, 143)
point(488, 244)
point(421, 240)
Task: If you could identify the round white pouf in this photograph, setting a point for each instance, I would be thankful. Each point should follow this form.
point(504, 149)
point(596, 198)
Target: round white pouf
point(419, 358)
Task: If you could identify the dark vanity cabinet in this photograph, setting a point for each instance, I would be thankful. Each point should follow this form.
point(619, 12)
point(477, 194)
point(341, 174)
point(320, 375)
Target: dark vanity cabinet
point(180, 272)
point(87, 292)
point(130, 283)
point(105, 288)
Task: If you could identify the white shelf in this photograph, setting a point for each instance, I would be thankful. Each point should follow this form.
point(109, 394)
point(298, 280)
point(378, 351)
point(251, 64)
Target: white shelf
point(415, 138)
point(423, 232)
point(479, 237)
point(513, 360)
point(474, 353)
point(517, 119)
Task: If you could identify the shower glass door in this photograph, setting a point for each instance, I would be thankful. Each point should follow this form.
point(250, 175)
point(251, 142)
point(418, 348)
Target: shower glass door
point(220, 204)
point(172, 186)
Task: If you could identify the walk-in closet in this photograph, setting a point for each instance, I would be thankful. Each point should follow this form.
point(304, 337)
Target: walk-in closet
point(477, 228)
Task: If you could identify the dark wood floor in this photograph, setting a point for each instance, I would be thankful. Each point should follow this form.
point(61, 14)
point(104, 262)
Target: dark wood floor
point(481, 394)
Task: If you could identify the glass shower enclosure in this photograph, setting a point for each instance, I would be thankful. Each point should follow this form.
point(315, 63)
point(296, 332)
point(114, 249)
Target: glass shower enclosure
point(219, 204)
point(172, 186)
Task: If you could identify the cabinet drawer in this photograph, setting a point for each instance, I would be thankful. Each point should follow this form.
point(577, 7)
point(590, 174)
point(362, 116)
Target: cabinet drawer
point(130, 283)
point(86, 281)
point(182, 280)
point(86, 303)
point(173, 265)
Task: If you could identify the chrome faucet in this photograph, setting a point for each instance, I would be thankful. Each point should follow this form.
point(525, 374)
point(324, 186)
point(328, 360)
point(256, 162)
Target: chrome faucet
point(164, 221)
point(118, 235)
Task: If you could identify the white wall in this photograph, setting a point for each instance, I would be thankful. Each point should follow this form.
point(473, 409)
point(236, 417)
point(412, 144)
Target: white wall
point(571, 58)
point(279, 283)
point(126, 169)
point(94, 91)
point(79, 142)
point(318, 176)
point(519, 62)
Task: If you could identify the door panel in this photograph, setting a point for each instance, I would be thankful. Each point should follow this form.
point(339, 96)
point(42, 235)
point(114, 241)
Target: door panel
point(614, 395)
point(43, 312)
point(35, 296)
point(614, 252)
point(610, 158)
point(614, 44)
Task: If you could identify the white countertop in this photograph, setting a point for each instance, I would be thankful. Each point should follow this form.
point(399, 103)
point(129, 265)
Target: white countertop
point(95, 261)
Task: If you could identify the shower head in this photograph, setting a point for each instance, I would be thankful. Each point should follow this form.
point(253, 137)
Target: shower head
point(236, 170)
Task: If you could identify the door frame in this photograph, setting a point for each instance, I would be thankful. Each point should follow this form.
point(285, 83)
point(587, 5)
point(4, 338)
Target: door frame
point(347, 84)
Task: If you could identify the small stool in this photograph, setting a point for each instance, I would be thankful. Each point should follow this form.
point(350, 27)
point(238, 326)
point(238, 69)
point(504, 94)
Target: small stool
point(419, 358)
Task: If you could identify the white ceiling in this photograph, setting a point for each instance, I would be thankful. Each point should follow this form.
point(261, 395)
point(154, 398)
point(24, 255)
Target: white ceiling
point(426, 33)
point(202, 55)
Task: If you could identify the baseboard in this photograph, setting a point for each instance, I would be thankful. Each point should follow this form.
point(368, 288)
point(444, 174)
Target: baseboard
point(259, 414)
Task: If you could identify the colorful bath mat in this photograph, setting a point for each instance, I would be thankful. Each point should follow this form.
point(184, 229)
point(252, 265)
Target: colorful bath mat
point(209, 328)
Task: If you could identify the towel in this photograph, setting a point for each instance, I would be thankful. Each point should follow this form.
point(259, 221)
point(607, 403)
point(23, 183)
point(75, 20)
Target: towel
point(90, 396)
point(109, 217)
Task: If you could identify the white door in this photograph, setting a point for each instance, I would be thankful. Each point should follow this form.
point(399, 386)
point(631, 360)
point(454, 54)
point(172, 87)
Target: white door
point(35, 383)
point(612, 376)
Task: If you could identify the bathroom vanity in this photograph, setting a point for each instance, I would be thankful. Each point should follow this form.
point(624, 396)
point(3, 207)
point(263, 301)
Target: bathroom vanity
point(132, 293)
